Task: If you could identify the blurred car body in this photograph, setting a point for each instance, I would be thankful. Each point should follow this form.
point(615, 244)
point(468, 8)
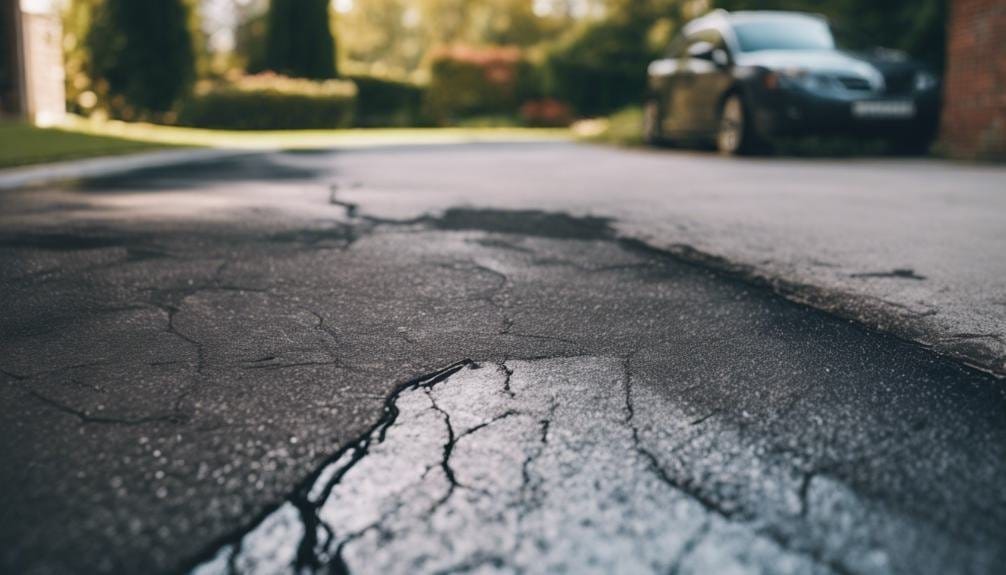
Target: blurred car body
point(743, 79)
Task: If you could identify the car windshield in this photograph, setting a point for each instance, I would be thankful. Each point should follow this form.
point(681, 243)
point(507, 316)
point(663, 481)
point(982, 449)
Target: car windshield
point(794, 33)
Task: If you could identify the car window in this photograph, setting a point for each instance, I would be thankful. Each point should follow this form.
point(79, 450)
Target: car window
point(786, 33)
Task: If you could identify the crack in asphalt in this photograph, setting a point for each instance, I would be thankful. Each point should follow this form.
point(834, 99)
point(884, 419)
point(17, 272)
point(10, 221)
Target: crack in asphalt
point(325, 540)
point(899, 273)
point(352, 212)
point(171, 311)
point(13, 375)
point(88, 417)
point(318, 488)
point(539, 464)
point(169, 301)
point(804, 489)
point(905, 322)
point(445, 462)
point(902, 321)
point(271, 366)
point(994, 336)
point(490, 297)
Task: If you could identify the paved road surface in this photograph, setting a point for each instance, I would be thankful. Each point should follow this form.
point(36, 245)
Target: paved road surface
point(216, 367)
point(912, 246)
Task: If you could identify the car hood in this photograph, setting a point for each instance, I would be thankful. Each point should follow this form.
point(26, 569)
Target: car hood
point(818, 61)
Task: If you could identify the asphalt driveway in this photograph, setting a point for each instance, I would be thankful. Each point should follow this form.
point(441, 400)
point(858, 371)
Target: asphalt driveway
point(465, 358)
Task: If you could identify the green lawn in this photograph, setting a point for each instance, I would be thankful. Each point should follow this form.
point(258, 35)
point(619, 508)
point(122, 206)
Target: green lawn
point(623, 128)
point(22, 144)
point(308, 139)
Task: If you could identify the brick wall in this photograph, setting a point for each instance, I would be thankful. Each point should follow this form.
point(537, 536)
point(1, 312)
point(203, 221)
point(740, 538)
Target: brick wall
point(974, 116)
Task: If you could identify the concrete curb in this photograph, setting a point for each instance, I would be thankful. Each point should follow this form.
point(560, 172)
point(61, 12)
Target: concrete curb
point(30, 176)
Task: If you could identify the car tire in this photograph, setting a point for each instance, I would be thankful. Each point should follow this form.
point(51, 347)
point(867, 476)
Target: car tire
point(735, 134)
point(651, 123)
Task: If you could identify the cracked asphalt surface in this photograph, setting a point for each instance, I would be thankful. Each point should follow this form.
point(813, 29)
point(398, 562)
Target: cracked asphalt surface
point(910, 247)
point(217, 368)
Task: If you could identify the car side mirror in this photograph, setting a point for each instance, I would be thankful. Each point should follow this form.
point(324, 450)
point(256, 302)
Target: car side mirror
point(710, 53)
point(701, 51)
point(720, 58)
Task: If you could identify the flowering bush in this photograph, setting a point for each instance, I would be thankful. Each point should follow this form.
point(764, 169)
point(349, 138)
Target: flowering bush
point(468, 82)
point(546, 112)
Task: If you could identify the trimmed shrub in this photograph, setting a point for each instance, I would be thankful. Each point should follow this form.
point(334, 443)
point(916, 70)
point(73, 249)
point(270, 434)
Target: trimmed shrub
point(383, 102)
point(467, 82)
point(268, 102)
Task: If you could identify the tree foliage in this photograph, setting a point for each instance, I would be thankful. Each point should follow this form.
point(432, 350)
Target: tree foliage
point(136, 56)
point(249, 43)
point(400, 36)
point(141, 54)
point(602, 67)
point(300, 42)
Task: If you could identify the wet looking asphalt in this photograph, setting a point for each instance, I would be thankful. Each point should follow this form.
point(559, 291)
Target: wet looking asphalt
point(220, 368)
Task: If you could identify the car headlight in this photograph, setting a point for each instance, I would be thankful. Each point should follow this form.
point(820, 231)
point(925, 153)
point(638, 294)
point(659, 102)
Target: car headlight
point(798, 78)
point(925, 81)
point(816, 83)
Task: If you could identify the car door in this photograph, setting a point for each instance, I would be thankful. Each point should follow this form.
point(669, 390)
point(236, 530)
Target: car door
point(679, 117)
point(663, 78)
point(710, 79)
point(707, 65)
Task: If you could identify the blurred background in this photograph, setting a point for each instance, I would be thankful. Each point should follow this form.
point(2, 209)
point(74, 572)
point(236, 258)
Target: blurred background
point(339, 64)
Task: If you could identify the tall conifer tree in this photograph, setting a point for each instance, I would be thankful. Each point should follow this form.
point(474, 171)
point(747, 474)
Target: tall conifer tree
point(300, 41)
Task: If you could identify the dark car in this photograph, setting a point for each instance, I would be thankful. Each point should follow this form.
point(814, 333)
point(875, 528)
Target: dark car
point(743, 79)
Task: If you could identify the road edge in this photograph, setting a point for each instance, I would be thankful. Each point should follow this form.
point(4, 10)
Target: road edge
point(52, 173)
point(871, 313)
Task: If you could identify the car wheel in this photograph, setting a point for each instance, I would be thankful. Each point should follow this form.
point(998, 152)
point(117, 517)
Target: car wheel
point(651, 123)
point(735, 135)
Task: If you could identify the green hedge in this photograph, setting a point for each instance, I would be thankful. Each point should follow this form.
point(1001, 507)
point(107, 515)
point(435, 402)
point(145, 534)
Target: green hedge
point(383, 103)
point(470, 82)
point(601, 67)
point(269, 102)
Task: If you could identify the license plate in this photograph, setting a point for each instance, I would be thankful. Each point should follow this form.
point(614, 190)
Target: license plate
point(884, 109)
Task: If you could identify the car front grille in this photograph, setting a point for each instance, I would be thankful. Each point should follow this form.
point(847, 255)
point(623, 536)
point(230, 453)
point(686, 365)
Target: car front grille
point(900, 82)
